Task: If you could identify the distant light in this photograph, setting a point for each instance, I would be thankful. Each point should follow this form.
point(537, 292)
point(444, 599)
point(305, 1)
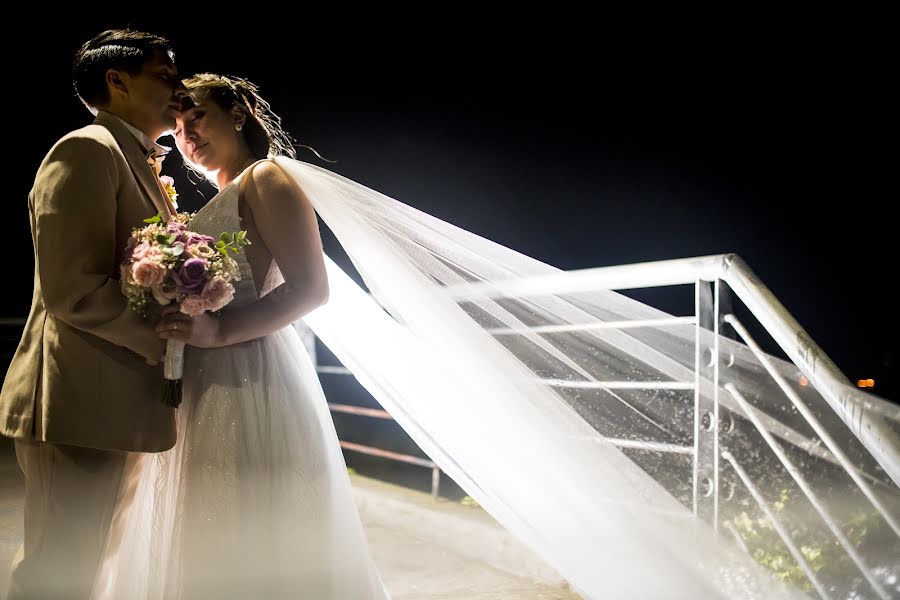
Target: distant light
point(804, 381)
point(866, 383)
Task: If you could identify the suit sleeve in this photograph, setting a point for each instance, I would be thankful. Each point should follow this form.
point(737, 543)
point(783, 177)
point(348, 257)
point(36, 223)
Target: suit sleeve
point(74, 202)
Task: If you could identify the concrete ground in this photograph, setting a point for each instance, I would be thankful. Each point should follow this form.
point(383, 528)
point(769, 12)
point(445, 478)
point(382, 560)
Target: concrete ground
point(424, 549)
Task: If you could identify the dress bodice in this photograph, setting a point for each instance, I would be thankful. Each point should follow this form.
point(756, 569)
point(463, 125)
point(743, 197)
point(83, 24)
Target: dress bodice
point(222, 214)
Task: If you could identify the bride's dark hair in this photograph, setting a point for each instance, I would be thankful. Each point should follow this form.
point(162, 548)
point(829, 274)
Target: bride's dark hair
point(262, 129)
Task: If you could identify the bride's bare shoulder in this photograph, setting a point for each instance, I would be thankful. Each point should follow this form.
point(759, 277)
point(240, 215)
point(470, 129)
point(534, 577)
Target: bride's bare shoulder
point(267, 183)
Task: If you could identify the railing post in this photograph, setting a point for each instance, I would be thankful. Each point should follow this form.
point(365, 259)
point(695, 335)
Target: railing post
point(706, 408)
point(435, 482)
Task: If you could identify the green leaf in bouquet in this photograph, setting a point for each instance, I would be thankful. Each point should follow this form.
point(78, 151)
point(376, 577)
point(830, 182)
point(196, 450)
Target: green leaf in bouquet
point(175, 250)
point(231, 242)
point(152, 220)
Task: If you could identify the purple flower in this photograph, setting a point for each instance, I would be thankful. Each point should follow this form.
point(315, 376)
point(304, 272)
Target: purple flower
point(129, 246)
point(175, 227)
point(192, 275)
point(197, 238)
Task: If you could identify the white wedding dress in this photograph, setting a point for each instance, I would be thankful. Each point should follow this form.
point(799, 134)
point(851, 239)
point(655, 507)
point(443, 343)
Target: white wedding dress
point(254, 501)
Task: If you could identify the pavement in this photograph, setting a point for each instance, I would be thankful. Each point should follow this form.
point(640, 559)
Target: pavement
point(425, 549)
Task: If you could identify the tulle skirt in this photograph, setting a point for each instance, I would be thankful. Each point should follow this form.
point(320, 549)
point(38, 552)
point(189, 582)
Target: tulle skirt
point(254, 501)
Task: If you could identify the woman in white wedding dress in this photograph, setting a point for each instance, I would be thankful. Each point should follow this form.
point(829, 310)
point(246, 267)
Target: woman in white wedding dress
point(254, 501)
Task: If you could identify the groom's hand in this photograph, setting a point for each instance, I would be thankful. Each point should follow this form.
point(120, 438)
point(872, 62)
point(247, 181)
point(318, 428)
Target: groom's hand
point(201, 331)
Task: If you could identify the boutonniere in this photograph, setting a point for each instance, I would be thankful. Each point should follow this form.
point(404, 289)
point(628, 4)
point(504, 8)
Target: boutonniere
point(169, 185)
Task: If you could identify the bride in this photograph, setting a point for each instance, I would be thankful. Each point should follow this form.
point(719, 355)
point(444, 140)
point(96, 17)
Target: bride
point(254, 501)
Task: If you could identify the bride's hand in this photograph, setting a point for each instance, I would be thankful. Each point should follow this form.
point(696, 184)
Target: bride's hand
point(201, 331)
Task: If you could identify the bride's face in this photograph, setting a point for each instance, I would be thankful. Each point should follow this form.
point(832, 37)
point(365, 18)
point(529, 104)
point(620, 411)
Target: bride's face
point(205, 135)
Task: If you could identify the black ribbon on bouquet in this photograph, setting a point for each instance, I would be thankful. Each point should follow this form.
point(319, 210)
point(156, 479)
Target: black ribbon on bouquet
point(172, 392)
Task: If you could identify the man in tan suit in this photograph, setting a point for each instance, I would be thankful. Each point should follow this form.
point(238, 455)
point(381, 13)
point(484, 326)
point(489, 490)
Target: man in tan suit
point(83, 394)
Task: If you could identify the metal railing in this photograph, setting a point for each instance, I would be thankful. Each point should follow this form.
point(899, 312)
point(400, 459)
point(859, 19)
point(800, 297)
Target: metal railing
point(309, 340)
point(373, 450)
point(848, 403)
point(712, 277)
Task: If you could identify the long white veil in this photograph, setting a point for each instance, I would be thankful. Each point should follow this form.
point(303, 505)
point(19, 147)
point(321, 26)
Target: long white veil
point(596, 479)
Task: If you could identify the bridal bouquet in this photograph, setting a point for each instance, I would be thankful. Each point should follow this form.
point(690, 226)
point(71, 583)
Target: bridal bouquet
point(166, 262)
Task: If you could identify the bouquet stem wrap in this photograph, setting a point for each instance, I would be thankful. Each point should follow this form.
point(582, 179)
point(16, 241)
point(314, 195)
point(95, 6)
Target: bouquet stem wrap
point(173, 369)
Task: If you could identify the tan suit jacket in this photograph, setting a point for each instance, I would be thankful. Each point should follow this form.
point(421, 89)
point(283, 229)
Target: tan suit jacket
point(87, 371)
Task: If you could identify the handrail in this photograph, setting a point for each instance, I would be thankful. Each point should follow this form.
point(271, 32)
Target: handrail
point(807, 414)
point(850, 404)
point(846, 401)
point(372, 450)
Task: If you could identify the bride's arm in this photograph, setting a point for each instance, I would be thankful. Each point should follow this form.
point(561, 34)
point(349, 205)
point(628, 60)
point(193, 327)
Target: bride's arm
point(286, 224)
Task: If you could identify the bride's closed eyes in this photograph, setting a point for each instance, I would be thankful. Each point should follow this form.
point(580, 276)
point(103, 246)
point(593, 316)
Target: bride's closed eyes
point(190, 116)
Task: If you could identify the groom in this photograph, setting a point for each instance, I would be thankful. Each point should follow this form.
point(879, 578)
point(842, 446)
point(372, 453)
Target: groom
point(82, 397)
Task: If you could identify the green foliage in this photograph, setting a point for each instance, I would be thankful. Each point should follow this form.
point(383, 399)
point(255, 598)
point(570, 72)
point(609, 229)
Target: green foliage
point(232, 242)
point(820, 548)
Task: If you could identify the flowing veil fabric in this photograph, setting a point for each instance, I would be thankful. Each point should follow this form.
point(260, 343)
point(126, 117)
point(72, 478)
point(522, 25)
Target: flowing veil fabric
point(513, 412)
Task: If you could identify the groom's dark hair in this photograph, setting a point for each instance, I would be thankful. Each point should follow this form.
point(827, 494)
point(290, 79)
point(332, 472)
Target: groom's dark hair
point(124, 49)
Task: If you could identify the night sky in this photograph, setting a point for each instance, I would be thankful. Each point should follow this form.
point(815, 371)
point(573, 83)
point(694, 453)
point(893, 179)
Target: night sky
point(580, 148)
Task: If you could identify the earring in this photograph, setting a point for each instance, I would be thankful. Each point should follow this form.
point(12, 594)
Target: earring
point(238, 126)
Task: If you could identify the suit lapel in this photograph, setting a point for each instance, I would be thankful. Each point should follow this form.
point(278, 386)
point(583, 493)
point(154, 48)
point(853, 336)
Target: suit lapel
point(136, 158)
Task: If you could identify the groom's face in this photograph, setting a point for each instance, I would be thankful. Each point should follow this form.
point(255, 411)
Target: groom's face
point(155, 94)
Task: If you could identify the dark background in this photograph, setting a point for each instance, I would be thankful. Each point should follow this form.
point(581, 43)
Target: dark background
point(578, 147)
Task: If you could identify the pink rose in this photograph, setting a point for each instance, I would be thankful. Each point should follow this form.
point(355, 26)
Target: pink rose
point(147, 272)
point(154, 254)
point(217, 293)
point(193, 305)
point(139, 251)
point(165, 292)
